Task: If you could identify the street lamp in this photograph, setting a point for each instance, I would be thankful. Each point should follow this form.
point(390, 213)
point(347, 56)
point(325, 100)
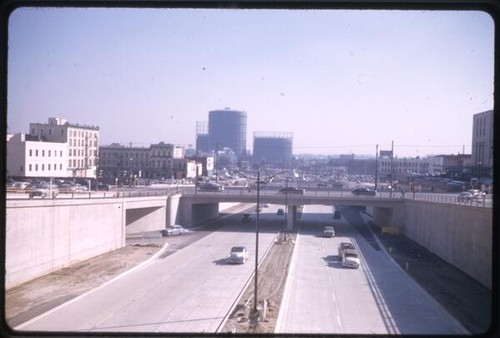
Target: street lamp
point(257, 235)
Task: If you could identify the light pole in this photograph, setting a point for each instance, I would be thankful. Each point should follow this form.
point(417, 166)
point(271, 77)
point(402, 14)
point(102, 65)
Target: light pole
point(257, 237)
point(256, 245)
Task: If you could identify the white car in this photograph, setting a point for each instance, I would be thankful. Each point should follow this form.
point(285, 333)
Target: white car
point(350, 258)
point(328, 231)
point(238, 254)
point(172, 230)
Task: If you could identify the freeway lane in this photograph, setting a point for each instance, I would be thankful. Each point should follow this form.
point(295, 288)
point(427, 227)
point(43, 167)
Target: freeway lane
point(190, 290)
point(323, 297)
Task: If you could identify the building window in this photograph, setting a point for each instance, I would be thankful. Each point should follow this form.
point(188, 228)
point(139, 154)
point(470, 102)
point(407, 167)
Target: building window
point(43, 167)
point(36, 167)
point(48, 167)
point(60, 152)
point(50, 131)
point(43, 153)
point(21, 168)
point(31, 152)
point(36, 153)
point(30, 167)
point(49, 153)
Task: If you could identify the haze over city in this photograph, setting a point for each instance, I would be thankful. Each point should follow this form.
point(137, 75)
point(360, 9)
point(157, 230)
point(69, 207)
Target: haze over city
point(342, 81)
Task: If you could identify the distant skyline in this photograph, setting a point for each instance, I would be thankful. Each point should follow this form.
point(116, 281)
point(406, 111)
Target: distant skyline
point(342, 81)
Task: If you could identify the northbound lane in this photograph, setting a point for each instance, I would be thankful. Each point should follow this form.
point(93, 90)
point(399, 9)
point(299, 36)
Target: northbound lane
point(323, 297)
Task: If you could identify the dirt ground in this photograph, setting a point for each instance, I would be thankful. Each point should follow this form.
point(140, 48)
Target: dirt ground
point(272, 276)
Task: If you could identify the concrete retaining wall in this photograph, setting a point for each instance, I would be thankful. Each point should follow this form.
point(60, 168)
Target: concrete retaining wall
point(42, 236)
point(459, 234)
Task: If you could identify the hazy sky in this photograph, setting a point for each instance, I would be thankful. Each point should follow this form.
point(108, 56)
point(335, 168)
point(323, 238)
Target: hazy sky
point(341, 81)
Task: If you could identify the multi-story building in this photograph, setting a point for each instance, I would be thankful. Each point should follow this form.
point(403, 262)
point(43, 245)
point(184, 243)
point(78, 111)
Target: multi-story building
point(482, 144)
point(127, 163)
point(29, 156)
point(82, 144)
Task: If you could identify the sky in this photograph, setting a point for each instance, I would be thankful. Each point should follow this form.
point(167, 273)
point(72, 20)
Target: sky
point(342, 81)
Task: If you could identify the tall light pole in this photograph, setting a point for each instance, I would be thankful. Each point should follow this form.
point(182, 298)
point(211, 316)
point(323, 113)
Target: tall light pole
point(257, 236)
point(256, 245)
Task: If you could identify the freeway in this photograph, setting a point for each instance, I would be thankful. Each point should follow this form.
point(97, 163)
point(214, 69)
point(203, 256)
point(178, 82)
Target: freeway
point(187, 288)
point(323, 297)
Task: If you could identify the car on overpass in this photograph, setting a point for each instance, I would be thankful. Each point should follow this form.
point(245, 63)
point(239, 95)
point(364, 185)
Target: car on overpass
point(238, 254)
point(364, 191)
point(292, 190)
point(465, 196)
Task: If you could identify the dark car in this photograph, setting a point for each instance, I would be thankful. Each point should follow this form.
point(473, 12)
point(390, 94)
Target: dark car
point(292, 190)
point(364, 191)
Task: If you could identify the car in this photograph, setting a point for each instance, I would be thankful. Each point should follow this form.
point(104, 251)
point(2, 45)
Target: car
point(292, 190)
point(350, 258)
point(209, 186)
point(336, 215)
point(238, 254)
point(364, 191)
point(265, 205)
point(328, 231)
point(476, 194)
point(246, 218)
point(173, 230)
point(42, 190)
point(280, 212)
point(344, 246)
point(19, 186)
point(465, 196)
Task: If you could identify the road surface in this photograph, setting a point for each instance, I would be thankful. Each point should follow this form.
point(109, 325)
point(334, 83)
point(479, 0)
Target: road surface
point(189, 290)
point(322, 297)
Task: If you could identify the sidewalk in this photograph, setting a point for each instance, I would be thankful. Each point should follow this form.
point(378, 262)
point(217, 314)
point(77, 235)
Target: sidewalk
point(35, 297)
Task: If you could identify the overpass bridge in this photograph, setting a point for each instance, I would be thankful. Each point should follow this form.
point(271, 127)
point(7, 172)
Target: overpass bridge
point(383, 207)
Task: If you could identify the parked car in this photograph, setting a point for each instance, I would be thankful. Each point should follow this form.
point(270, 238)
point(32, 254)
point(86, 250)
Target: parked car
point(280, 212)
point(19, 186)
point(328, 231)
point(476, 194)
point(465, 196)
point(364, 191)
point(292, 190)
point(42, 190)
point(173, 230)
point(238, 254)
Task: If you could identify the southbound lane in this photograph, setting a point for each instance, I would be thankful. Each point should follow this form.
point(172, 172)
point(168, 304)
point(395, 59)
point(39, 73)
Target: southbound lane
point(189, 290)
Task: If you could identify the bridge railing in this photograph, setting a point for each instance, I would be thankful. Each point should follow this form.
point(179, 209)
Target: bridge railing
point(486, 201)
